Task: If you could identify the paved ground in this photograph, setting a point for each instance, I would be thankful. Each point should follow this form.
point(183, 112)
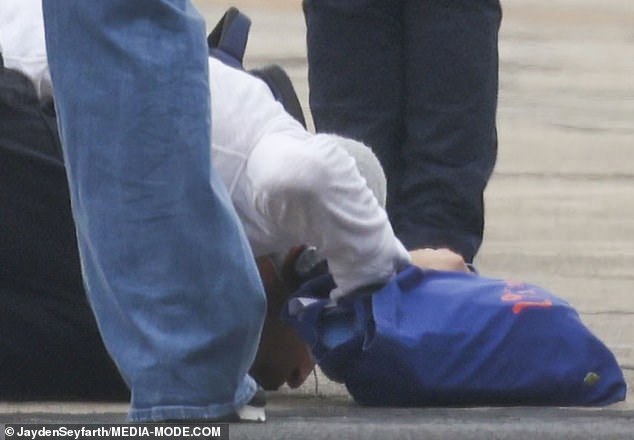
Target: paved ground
point(560, 213)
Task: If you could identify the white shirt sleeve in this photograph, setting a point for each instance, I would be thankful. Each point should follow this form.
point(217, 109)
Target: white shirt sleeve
point(290, 187)
point(23, 44)
point(310, 192)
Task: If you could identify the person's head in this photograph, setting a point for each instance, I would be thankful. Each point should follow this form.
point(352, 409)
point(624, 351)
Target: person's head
point(282, 356)
point(367, 163)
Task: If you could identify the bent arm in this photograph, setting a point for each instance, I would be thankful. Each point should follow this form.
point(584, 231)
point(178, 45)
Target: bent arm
point(311, 192)
point(298, 188)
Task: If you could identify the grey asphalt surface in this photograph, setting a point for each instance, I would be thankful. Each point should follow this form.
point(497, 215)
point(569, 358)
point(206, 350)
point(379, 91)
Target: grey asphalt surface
point(560, 213)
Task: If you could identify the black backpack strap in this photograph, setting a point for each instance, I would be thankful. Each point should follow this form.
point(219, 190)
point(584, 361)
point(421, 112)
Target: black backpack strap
point(227, 42)
point(282, 88)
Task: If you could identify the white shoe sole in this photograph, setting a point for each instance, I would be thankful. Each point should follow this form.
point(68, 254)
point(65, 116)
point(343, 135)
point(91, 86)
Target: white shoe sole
point(250, 413)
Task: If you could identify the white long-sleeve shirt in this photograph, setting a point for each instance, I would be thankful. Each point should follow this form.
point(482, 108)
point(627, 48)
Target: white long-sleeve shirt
point(288, 186)
point(292, 187)
point(22, 42)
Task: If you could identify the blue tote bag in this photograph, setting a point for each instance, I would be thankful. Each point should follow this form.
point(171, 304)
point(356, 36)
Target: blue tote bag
point(431, 338)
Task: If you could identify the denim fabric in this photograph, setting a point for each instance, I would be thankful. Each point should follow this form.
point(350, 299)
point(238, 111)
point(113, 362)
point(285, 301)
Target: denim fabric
point(168, 270)
point(417, 81)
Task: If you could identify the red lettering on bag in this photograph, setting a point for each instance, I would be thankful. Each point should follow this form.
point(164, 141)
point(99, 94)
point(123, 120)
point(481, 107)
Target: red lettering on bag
point(523, 298)
point(523, 305)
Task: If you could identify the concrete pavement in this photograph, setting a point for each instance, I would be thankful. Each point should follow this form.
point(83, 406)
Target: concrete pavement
point(560, 213)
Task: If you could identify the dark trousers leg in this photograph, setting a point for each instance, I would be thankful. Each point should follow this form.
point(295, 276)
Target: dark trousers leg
point(356, 78)
point(451, 142)
point(49, 344)
point(417, 81)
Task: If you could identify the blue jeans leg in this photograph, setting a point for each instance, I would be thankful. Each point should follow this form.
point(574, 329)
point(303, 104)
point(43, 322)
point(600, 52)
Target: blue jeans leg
point(168, 270)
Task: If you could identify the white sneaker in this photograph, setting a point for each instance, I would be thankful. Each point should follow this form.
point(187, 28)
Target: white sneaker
point(253, 411)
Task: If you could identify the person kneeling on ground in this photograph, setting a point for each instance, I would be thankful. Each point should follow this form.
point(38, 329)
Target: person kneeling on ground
point(289, 187)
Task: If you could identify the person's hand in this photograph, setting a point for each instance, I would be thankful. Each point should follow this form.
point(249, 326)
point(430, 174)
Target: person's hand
point(438, 259)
